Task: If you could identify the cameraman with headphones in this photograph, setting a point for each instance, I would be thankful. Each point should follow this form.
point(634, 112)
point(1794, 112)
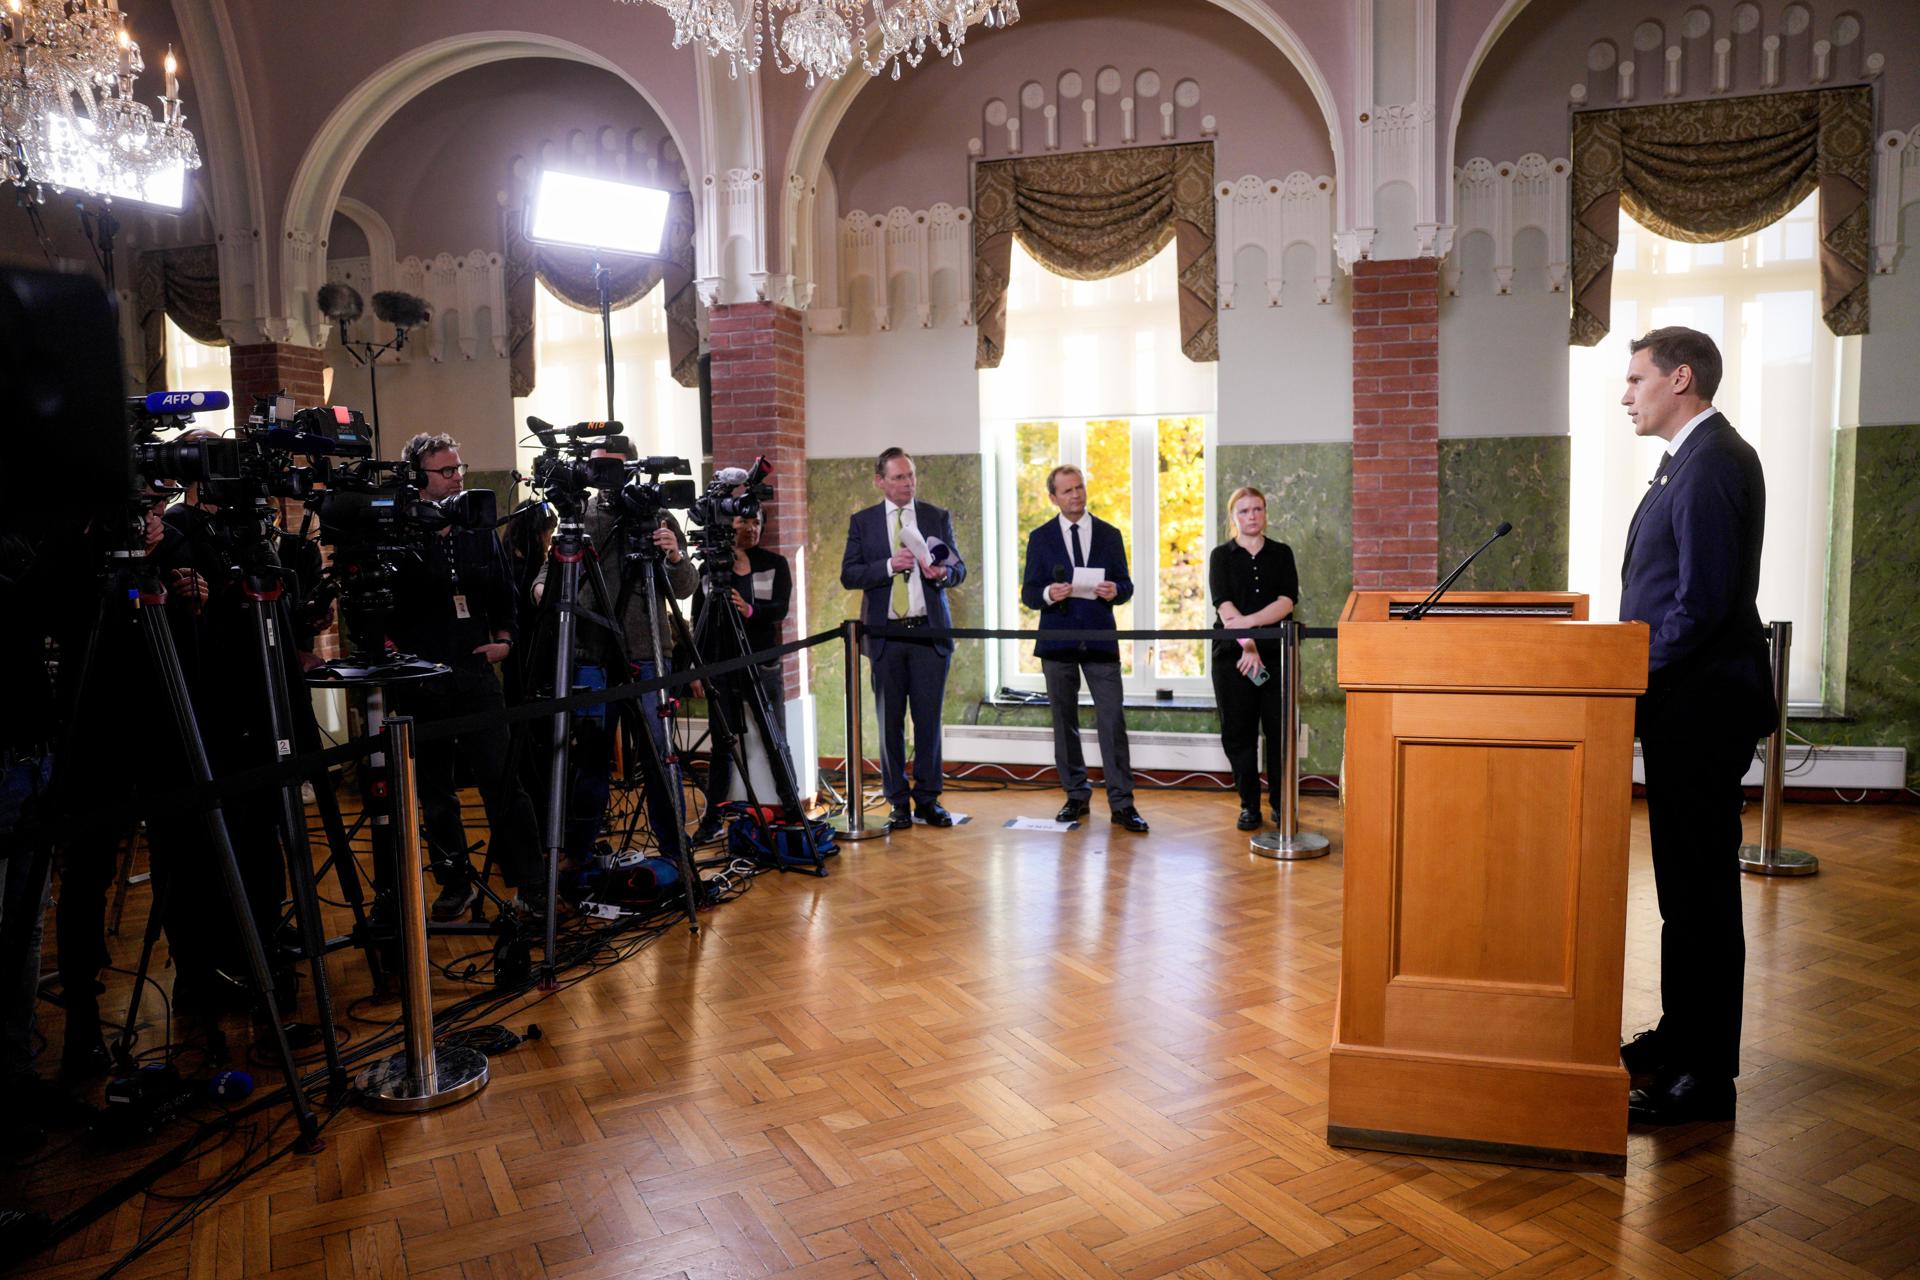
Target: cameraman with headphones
point(455, 606)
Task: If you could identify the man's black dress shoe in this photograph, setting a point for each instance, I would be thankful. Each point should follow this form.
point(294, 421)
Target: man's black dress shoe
point(934, 815)
point(1644, 1055)
point(900, 819)
point(1249, 820)
point(1071, 810)
point(1130, 820)
point(1682, 1099)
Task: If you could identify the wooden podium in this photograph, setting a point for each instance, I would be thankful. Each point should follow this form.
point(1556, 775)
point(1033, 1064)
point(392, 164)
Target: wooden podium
point(1488, 780)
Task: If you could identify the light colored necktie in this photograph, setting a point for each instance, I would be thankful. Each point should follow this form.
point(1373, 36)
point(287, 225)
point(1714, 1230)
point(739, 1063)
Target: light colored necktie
point(898, 604)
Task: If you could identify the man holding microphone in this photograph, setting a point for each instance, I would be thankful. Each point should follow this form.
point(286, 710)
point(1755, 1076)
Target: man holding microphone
point(1076, 576)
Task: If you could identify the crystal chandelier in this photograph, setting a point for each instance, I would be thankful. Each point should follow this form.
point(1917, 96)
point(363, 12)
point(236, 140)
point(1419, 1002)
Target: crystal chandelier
point(824, 37)
point(68, 120)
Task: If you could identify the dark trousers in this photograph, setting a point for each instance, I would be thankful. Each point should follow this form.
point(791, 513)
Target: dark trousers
point(1693, 769)
point(485, 756)
point(1246, 711)
point(732, 693)
point(1110, 725)
point(910, 675)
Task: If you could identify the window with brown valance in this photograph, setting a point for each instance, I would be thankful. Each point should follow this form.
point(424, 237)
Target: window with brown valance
point(1702, 172)
point(182, 285)
point(1093, 215)
point(569, 273)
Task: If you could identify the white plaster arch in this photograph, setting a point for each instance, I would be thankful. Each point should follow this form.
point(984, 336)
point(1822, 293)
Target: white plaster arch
point(234, 188)
point(820, 120)
point(1503, 19)
point(330, 157)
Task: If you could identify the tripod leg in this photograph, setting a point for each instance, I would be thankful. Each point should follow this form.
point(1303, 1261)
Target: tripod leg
point(166, 662)
point(567, 554)
point(340, 862)
point(270, 627)
point(123, 1047)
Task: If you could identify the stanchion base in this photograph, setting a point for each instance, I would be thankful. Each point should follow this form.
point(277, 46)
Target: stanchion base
point(869, 829)
point(1297, 847)
point(389, 1085)
point(1786, 862)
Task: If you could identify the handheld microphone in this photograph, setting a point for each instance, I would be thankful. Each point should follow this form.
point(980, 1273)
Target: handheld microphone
point(1433, 597)
point(187, 401)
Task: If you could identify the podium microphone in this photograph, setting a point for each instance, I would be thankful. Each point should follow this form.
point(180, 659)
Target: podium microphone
point(1433, 597)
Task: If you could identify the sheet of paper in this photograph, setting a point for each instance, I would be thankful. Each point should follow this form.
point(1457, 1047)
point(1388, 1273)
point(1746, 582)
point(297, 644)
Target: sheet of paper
point(1038, 824)
point(1085, 580)
point(910, 539)
point(763, 585)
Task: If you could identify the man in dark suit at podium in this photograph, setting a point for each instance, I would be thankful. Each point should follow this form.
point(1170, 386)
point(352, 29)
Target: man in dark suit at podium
point(1079, 544)
point(901, 554)
point(1691, 573)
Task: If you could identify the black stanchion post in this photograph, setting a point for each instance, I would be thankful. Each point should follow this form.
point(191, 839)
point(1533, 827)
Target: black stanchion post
point(1289, 843)
point(854, 825)
point(421, 1078)
point(1767, 858)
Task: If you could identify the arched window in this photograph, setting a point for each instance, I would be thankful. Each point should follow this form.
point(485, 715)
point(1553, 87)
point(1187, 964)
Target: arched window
point(1093, 375)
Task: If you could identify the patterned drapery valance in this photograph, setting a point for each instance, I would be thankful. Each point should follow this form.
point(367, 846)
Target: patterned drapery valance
point(1708, 171)
point(184, 285)
point(1092, 215)
point(569, 273)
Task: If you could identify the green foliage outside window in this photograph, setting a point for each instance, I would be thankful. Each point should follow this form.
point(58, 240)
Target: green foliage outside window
point(1181, 450)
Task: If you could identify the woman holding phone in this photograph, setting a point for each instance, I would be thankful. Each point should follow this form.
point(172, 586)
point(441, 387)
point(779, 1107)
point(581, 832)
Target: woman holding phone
point(1253, 584)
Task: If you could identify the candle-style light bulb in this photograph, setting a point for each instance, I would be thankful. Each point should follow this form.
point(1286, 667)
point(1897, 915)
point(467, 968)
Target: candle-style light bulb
point(173, 74)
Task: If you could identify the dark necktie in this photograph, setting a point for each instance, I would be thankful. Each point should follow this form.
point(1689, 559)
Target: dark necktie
point(1079, 561)
point(1666, 460)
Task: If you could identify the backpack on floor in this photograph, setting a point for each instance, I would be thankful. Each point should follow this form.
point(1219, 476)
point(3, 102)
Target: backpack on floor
point(761, 836)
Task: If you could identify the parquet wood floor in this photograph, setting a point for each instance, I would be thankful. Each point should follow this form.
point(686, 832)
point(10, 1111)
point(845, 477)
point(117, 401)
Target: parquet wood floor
point(985, 1053)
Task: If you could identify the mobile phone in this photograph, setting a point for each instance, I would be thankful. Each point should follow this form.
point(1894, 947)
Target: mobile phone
point(1261, 676)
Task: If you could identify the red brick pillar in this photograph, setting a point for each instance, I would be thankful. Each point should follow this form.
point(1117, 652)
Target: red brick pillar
point(1396, 423)
point(267, 367)
point(759, 408)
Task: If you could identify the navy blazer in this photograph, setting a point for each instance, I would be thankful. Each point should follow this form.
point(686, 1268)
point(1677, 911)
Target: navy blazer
point(864, 568)
point(1691, 572)
point(1049, 561)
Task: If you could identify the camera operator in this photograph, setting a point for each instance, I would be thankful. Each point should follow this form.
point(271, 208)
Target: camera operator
point(760, 591)
point(455, 606)
point(620, 544)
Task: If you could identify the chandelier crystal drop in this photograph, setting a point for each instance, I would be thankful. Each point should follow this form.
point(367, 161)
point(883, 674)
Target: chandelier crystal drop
point(68, 119)
point(825, 38)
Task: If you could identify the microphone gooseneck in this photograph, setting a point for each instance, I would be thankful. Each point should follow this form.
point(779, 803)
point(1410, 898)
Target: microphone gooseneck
point(1433, 597)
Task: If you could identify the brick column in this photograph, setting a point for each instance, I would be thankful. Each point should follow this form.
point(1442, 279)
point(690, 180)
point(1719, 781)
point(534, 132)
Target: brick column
point(1396, 423)
point(267, 367)
point(759, 408)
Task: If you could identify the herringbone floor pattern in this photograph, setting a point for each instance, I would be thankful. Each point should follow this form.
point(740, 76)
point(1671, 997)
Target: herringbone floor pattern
point(991, 1053)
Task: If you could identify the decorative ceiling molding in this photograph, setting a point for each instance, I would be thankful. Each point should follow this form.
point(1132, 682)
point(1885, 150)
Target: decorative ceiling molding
point(1692, 58)
point(1111, 110)
point(1896, 184)
point(911, 246)
point(1272, 215)
point(1506, 198)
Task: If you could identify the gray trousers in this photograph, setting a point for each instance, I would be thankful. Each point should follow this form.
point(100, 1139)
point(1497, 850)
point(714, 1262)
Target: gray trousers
point(1110, 723)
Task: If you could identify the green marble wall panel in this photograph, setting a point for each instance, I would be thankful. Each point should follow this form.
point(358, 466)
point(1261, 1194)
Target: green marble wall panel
point(838, 487)
point(1881, 699)
point(1523, 479)
point(1309, 490)
point(1833, 654)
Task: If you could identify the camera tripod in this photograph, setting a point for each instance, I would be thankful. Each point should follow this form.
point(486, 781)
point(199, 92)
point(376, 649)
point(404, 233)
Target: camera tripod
point(659, 778)
point(132, 595)
point(716, 567)
point(261, 581)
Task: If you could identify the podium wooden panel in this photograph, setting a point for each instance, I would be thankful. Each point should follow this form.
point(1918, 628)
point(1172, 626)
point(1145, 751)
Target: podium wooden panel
point(1488, 781)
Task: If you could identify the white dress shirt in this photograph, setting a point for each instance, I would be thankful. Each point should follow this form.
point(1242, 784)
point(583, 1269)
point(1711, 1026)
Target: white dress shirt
point(1680, 436)
point(1085, 525)
point(916, 588)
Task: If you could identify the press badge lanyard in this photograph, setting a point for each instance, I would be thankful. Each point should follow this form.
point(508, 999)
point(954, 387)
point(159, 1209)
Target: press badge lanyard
point(460, 609)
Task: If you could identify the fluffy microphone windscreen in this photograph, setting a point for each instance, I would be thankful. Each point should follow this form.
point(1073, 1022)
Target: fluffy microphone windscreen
point(402, 310)
point(339, 302)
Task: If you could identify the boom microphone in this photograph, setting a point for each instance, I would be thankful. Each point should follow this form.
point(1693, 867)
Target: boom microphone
point(187, 401)
point(340, 302)
point(401, 310)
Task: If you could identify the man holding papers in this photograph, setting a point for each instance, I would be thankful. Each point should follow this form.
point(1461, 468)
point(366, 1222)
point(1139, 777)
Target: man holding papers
point(901, 553)
point(1076, 575)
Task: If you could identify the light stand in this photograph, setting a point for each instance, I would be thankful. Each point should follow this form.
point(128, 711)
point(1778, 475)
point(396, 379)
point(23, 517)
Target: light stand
point(367, 353)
